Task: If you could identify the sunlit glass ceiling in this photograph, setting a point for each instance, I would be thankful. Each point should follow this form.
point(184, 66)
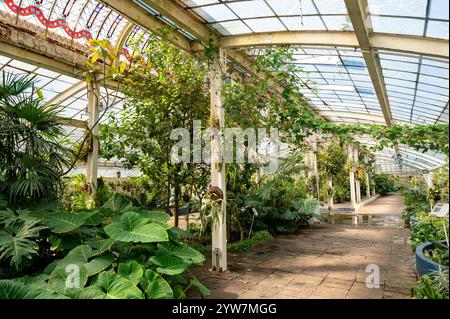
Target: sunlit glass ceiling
point(421, 17)
point(335, 78)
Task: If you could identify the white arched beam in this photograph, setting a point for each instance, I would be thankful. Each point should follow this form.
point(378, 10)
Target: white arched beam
point(434, 162)
point(380, 41)
point(353, 115)
point(405, 160)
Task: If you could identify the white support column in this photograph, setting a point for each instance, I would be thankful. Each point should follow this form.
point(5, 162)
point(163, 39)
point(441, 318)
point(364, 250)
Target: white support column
point(351, 156)
point(357, 181)
point(367, 180)
point(428, 178)
point(93, 142)
point(352, 177)
point(330, 197)
point(218, 175)
point(368, 185)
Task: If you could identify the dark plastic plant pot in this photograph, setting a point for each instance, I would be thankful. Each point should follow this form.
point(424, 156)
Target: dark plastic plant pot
point(424, 265)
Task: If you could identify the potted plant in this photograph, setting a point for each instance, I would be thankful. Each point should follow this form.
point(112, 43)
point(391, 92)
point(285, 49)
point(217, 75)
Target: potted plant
point(431, 257)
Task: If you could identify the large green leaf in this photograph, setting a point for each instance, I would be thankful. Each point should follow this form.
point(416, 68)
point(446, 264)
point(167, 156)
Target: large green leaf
point(103, 246)
point(68, 281)
point(78, 255)
point(16, 290)
point(71, 273)
point(156, 287)
point(168, 264)
point(99, 264)
point(153, 215)
point(39, 281)
point(118, 202)
point(187, 254)
point(16, 241)
point(63, 222)
point(181, 232)
point(202, 288)
point(132, 271)
point(112, 286)
point(132, 227)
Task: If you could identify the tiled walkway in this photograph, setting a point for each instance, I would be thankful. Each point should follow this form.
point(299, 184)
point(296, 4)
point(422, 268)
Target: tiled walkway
point(321, 261)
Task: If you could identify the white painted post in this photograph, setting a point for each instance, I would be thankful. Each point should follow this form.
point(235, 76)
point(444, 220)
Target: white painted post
point(352, 177)
point(218, 176)
point(351, 155)
point(330, 197)
point(367, 179)
point(428, 179)
point(92, 158)
point(357, 181)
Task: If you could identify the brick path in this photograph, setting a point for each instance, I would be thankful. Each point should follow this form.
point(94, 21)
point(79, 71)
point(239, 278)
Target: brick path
point(321, 261)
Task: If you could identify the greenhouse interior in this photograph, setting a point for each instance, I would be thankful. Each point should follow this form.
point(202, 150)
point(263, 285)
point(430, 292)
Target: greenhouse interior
point(211, 149)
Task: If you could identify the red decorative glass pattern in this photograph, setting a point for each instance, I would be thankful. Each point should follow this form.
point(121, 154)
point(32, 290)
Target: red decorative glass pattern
point(58, 23)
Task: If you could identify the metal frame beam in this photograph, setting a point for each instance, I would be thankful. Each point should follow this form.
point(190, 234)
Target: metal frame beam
point(380, 41)
point(358, 116)
point(72, 122)
point(358, 13)
point(61, 97)
point(404, 149)
point(407, 161)
point(141, 17)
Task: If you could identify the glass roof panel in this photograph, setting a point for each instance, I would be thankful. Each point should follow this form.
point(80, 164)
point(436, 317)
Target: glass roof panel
point(439, 9)
point(427, 18)
point(247, 16)
point(417, 88)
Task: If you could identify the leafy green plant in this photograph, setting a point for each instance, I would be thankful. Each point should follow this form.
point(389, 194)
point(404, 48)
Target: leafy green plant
point(18, 234)
point(438, 254)
point(280, 204)
point(117, 251)
point(428, 229)
point(433, 287)
point(383, 184)
point(415, 195)
point(31, 141)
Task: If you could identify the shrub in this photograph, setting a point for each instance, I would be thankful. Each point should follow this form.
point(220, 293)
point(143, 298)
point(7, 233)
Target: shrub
point(428, 229)
point(383, 184)
point(120, 252)
point(433, 287)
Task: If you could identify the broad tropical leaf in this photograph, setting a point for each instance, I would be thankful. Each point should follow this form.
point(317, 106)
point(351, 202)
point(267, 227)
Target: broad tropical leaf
point(202, 288)
point(187, 254)
point(180, 232)
point(16, 290)
point(71, 273)
point(112, 286)
point(168, 264)
point(132, 227)
point(39, 281)
point(16, 241)
point(132, 271)
point(99, 264)
point(118, 202)
point(69, 280)
point(156, 287)
point(154, 216)
point(63, 222)
point(78, 255)
point(102, 246)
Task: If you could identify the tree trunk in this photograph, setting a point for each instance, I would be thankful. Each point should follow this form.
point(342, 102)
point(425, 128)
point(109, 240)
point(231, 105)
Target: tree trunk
point(168, 192)
point(177, 205)
point(189, 208)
